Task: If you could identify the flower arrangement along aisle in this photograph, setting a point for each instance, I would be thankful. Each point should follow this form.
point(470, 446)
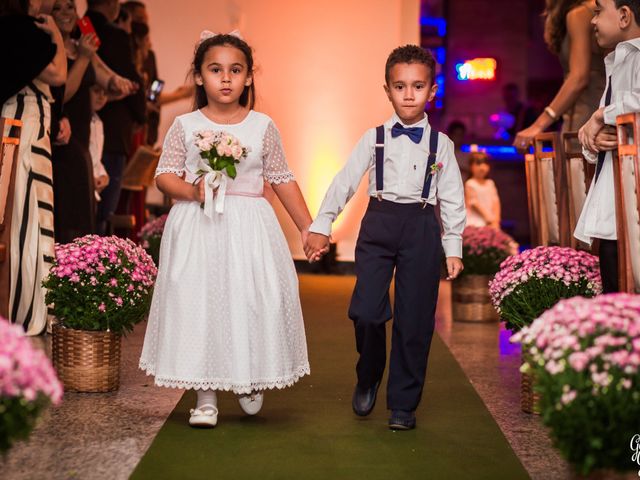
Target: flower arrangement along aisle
point(219, 153)
point(28, 384)
point(483, 250)
point(98, 289)
point(535, 280)
point(151, 236)
point(585, 354)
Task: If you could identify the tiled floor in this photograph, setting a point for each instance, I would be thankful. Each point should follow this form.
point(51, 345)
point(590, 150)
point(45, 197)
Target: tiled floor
point(102, 436)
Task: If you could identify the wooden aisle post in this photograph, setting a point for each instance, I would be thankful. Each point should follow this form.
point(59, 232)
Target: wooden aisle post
point(10, 134)
point(626, 174)
point(579, 176)
point(554, 228)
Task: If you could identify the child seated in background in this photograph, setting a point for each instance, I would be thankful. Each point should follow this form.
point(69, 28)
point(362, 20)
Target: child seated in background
point(96, 139)
point(480, 193)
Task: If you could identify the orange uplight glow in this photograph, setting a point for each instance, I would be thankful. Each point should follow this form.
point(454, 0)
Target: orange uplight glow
point(477, 69)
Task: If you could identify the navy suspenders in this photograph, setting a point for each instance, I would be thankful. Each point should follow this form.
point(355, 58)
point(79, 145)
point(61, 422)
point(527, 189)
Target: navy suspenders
point(433, 149)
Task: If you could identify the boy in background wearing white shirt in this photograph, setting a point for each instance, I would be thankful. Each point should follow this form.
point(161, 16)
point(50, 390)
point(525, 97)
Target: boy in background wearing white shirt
point(616, 24)
point(96, 139)
point(399, 232)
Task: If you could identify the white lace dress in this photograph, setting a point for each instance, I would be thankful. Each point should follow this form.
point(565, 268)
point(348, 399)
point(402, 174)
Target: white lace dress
point(226, 310)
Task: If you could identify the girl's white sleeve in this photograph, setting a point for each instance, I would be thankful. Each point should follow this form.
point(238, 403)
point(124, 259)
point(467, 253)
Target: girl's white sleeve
point(274, 163)
point(174, 151)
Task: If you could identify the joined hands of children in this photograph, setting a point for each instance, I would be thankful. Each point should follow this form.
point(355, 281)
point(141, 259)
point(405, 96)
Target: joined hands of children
point(315, 245)
point(454, 267)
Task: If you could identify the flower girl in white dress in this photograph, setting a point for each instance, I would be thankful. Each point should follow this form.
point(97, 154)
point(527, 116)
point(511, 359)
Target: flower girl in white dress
point(226, 311)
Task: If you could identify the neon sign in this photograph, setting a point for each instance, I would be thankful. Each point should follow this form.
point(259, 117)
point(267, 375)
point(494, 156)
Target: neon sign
point(477, 69)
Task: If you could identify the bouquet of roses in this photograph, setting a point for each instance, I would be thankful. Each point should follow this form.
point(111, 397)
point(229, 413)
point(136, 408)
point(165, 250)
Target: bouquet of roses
point(585, 356)
point(535, 280)
point(484, 249)
point(219, 153)
point(100, 283)
point(28, 384)
point(151, 235)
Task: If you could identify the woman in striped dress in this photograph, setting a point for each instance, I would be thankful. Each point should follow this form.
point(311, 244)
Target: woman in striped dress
point(32, 235)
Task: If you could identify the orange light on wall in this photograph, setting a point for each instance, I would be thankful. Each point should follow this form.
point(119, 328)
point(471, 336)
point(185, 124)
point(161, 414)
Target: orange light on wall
point(477, 69)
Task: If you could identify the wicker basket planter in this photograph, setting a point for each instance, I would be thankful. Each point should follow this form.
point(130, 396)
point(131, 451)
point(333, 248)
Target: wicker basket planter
point(529, 398)
point(86, 361)
point(471, 301)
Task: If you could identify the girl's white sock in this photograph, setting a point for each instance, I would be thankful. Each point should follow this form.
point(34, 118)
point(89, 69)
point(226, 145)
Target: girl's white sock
point(207, 397)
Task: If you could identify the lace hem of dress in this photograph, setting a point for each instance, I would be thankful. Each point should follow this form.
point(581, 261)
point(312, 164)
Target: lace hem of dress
point(278, 178)
point(227, 385)
point(161, 170)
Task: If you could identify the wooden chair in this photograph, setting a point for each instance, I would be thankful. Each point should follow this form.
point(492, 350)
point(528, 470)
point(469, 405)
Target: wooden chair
point(552, 192)
point(579, 176)
point(536, 226)
point(626, 173)
point(10, 134)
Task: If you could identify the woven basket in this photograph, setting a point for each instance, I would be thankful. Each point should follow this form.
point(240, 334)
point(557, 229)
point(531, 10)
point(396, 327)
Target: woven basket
point(529, 398)
point(86, 361)
point(471, 301)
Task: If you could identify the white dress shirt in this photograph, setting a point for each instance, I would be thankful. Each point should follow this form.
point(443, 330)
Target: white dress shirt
point(96, 144)
point(405, 164)
point(598, 217)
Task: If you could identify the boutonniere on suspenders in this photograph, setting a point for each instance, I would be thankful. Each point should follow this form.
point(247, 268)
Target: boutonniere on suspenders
point(432, 166)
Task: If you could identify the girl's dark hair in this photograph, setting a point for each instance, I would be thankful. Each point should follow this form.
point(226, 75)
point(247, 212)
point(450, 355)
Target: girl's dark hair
point(248, 96)
point(556, 14)
point(478, 158)
point(14, 7)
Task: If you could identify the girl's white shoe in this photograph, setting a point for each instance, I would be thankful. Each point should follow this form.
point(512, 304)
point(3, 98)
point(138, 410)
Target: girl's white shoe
point(251, 403)
point(204, 416)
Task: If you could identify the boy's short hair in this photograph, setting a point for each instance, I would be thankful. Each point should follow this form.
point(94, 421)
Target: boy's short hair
point(411, 54)
point(634, 6)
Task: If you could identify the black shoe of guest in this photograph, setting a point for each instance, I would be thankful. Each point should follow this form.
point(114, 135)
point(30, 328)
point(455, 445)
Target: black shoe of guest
point(402, 420)
point(364, 399)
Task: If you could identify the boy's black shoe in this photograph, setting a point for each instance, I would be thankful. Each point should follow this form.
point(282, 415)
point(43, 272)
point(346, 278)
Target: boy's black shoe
point(364, 399)
point(402, 420)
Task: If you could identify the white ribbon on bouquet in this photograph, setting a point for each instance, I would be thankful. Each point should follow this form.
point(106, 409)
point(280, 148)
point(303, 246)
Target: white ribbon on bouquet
point(213, 179)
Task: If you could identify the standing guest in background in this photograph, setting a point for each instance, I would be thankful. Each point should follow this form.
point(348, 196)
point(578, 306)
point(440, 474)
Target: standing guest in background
point(522, 114)
point(36, 60)
point(569, 35)
point(617, 26)
point(96, 139)
point(480, 194)
point(72, 166)
point(457, 132)
point(121, 116)
point(124, 20)
point(139, 14)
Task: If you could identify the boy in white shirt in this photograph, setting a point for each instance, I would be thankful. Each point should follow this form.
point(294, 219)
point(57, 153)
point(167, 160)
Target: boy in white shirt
point(616, 24)
point(96, 139)
point(400, 232)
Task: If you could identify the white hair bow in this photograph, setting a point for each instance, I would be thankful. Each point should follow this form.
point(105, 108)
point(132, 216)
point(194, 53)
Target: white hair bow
point(206, 34)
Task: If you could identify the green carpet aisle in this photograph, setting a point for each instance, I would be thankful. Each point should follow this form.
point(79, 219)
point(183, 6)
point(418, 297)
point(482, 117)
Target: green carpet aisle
point(309, 431)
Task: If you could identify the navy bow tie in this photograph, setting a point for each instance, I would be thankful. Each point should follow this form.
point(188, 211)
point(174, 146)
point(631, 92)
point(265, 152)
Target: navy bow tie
point(414, 133)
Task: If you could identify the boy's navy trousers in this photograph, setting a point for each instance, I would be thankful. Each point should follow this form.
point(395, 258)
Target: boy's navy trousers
point(404, 238)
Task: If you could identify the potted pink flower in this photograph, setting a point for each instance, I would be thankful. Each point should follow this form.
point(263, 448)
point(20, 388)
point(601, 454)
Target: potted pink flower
point(98, 289)
point(483, 250)
point(585, 355)
point(532, 282)
point(28, 384)
point(151, 236)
